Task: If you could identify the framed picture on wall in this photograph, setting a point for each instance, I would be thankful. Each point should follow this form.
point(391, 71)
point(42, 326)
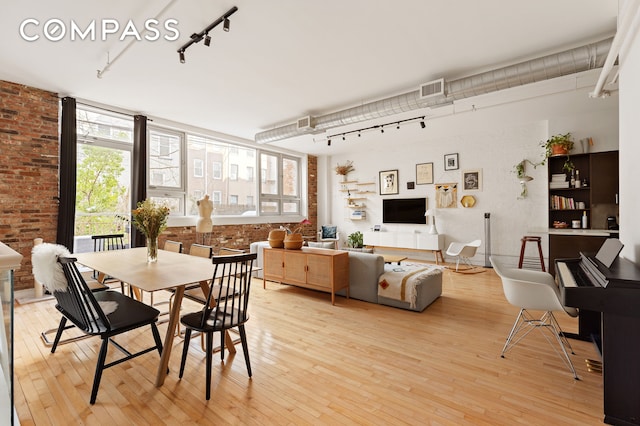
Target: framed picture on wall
point(451, 162)
point(424, 173)
point(389, 182)
point(472, 180)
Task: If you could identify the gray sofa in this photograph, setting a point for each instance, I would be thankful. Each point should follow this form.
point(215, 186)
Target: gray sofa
point(364, 271)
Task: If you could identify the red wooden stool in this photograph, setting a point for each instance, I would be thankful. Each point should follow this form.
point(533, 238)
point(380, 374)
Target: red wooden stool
point(525, 240)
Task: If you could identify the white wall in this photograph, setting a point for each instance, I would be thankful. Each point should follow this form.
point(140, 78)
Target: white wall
point(630, 150)
point(493, 139)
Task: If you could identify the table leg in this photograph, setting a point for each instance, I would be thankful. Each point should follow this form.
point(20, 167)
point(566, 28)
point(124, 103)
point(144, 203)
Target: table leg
point(174, 318)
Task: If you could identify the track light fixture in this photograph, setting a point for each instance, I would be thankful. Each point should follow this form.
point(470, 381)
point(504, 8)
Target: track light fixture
point(377, 126)
point(204, 34)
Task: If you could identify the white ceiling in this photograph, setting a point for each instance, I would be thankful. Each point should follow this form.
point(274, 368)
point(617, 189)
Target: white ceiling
point(284, 59)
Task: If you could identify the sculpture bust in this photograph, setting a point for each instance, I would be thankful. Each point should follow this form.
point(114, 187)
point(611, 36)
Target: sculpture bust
point(205, 207)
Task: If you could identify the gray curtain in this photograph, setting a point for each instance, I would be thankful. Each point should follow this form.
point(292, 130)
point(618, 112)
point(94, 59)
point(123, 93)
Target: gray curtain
point(67, 182)
point(139, 172)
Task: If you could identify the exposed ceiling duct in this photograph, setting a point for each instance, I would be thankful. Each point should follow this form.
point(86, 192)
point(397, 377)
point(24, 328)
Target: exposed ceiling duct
point(579, 59)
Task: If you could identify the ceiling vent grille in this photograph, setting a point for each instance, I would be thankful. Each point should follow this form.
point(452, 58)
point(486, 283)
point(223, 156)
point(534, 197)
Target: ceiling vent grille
point(432, 88)
point(304, 123)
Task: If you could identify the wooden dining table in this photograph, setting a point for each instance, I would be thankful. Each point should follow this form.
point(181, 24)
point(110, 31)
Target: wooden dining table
point(171, 271)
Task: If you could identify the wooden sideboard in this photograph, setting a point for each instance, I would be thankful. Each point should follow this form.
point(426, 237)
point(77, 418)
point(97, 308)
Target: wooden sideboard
point(315, 268)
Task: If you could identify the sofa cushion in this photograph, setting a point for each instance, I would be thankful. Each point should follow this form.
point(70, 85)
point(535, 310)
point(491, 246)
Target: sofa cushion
point(329, 231)
point(360, 250)
point(325, 244)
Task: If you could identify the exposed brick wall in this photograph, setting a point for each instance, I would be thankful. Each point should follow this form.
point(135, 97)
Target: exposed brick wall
point(28, 171)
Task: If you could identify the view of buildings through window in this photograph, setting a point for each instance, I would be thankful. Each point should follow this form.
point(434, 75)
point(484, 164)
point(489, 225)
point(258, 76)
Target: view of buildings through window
point(182, 168)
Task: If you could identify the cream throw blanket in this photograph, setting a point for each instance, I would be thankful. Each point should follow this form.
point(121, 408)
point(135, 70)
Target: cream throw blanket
point(47, 270)
point(400, 283)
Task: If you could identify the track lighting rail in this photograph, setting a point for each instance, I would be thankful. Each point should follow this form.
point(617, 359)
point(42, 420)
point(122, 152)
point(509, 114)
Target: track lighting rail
point(204, 34)
point(376, 127)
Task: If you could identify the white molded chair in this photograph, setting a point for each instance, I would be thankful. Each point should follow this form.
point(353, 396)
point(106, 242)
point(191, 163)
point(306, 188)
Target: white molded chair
point(328, 233)
point(535, 290)
point(463, 252)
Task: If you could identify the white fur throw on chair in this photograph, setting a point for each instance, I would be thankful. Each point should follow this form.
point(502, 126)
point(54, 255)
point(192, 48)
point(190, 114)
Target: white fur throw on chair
point(47, 270)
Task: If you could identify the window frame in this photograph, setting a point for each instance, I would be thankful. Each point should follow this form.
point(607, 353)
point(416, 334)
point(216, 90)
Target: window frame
point(181, 218)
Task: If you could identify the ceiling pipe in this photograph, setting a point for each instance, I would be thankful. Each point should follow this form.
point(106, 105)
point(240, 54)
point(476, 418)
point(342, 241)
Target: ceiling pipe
point(579, 59)
point(626, 30)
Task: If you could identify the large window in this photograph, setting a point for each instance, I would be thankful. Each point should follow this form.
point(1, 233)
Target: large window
point(221, 179)
point(183, 167)
point(103, 180)
point(279, 184)
point(166, 181)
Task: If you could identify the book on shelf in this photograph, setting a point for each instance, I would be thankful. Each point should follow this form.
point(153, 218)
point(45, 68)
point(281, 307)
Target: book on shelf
point(558, 185)
point(562, 203)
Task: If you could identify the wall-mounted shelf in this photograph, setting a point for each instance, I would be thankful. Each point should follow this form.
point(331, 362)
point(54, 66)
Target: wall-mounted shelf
point(355, 211)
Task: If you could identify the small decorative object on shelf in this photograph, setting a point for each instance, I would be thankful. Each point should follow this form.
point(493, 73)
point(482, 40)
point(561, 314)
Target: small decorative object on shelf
point(293, 240)
point(558, 145)
point(344, 169)
point(276, 238)
point(150, 219)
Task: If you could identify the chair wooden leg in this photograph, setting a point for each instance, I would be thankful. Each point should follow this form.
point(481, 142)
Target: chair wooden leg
point(245, 348)
point(185, 349)
point(99, 368)
point(63, 322)
point(209, 361)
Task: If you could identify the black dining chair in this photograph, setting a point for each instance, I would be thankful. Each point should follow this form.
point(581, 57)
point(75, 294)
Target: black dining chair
point(105, 314)
point(104, 243)
point(226, 307)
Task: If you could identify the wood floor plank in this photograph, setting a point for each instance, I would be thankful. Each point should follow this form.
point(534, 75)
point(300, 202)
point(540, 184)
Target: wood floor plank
point(316, 363)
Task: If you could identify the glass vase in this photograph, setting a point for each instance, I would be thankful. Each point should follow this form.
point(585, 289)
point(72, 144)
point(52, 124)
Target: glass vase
point(152, 250)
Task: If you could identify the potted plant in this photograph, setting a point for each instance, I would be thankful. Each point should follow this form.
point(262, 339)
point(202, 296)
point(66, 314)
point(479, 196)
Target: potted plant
point(355, 240)
point(560, 144)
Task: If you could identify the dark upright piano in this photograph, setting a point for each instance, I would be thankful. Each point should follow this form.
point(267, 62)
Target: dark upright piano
point(609, 300)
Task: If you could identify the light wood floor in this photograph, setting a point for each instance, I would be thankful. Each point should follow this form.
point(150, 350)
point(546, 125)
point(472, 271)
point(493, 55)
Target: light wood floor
point(314, 363)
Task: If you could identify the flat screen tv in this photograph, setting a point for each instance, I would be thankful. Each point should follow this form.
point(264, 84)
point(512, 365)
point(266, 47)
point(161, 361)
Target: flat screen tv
point(404, 210)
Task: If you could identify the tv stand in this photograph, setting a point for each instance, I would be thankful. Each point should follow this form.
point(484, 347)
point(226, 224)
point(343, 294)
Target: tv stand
point(407, 240)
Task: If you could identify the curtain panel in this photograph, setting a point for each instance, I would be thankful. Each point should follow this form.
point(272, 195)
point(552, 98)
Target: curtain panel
point(139, 172)
point(67, 179)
